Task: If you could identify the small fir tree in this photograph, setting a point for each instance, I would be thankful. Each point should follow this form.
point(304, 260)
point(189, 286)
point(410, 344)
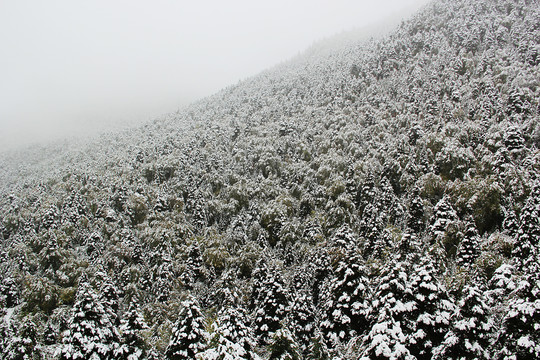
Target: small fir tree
point(519, 336)
point(416, 212)
point(301, 318)
point(134, 346)
point(429, 320)
point(232, 338)
point(472, 325)
point(271, 300)
point(317, 349)
point(386, 338)
point(443, 216)
point(346, 308)
point(91, 333)
point(24, 345)
point(283, 346)
point(501, 284)
point(188, 335)
point(469, 248)
point(528, 236)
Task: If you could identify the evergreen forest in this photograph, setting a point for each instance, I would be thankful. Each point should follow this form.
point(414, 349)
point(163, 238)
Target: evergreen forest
point(379, 200)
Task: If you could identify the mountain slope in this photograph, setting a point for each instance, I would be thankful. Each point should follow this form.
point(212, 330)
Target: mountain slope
point(364, 204)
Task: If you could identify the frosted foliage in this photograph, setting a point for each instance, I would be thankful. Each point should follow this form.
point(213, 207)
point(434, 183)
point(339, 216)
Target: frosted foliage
point(386, 341)
point(231, 337)
point(301, 319)
point(501, 284)
point(528, 234)
point(471, 325)
point(188, 334)
point(91, 333)
point(468, 250)
point(271, 301)
point(520, 333)
point(283, 346)
point(429, 320)
point(346, 307)
point(358, 161)
point(443, 216)
point(386, 338)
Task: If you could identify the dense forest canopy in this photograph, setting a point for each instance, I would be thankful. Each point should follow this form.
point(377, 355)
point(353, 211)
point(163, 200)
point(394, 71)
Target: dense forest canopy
point(381, 201)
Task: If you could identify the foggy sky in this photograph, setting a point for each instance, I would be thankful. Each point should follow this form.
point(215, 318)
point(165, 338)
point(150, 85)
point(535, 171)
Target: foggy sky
point(71, 67)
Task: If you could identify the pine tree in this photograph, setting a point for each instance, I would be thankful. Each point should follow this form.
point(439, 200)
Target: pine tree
point(469, 337)
point(371, 227)
point(110, 297)
point(283, 346)
point(91, 332)
point(134, 346)
point(9, 291)
point(501, 284)
point(346, 307)
point(416, 212)
point(513, 139)
point(429, 319)
point(188, 334)
point(232, 338)
point(387, 339)
point(317, 349)
point(408, 249)
point(528, 237)
point(301, 318)
point(271, 300)
point(510, 222)
point(366, 193)
point(388, 202)
point(24, 345)
point(469, 248)
point(193, 271)
point(6, 334)
point(443, 216)
point(520, 334)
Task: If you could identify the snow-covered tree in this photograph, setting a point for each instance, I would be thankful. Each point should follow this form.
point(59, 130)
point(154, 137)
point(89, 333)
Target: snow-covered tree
point(444, 215)
point(346, 308)
point(519, 336)
point(371, 226)
point(193, 268)
point(231, 338)
point(24, 344)
point(416, 212)
point(189, 335)
point(387, 339)
point(528, 236)
point(283, 346)
point(91, 332)
point(5, 336)
point(469, 248)
point(408, 249)
point(270, 299)
point(471, 330)
point(134, 346)
point(9, 291)
point(429, 319)
point(301, 318)
point(501, 284)
point(317, 349)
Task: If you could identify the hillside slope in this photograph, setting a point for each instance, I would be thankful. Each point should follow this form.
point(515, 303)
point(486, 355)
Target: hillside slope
point(380, 202)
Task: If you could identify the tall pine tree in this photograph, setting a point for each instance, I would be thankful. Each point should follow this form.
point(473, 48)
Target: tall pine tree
point(189, 335)
point(91, 333)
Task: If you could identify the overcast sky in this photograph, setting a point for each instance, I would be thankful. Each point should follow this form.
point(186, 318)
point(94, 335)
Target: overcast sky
point(70, 67)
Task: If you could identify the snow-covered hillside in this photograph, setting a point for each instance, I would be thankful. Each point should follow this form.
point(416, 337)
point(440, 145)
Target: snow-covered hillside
point(381, 201)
